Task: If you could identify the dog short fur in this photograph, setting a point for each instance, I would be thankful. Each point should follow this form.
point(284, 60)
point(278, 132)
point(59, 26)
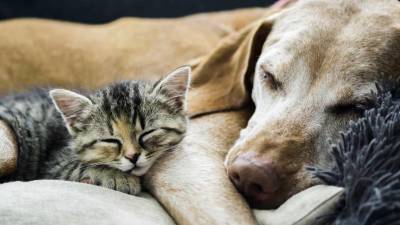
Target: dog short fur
point(326, 54)
point(37, 52)
point(316, 72)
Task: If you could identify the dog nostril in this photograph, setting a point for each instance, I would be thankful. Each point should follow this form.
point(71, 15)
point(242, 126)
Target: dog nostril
point(235, 178)
point(255, 188)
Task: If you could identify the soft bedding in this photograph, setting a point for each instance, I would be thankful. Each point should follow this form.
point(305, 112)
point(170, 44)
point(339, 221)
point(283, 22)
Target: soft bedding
point(49, 202)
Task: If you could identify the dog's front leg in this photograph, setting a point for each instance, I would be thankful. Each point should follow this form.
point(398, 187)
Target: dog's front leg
point(8, 150)
point(191, 182)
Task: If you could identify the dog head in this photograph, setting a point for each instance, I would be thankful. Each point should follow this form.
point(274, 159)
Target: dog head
point(315, 73)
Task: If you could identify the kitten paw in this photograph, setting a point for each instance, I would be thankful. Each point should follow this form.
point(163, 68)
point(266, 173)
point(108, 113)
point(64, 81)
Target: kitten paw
point(87, 181)
point(113, 179)
point(128, 184)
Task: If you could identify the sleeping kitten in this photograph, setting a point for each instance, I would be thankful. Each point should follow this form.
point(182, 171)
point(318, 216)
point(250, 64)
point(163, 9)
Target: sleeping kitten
point(108, 138)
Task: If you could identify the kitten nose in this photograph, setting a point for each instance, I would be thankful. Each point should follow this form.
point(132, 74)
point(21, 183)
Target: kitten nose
point(133, 157)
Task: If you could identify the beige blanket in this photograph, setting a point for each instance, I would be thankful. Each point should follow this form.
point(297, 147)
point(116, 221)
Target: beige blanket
point(65, 203)
point(49, 202)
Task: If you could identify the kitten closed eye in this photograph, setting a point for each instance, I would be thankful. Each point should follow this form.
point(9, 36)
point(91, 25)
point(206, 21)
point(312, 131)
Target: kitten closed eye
point(100, 151)
point(162, 137)
point(108, 138)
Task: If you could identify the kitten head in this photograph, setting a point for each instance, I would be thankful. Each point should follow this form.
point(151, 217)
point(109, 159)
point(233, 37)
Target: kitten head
point(127, 125)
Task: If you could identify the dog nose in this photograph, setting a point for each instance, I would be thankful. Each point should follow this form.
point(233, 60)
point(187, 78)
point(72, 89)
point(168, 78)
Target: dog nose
point(256, 178)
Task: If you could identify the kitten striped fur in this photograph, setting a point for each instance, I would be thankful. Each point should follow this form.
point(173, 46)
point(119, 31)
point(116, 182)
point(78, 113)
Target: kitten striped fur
point(107, 138)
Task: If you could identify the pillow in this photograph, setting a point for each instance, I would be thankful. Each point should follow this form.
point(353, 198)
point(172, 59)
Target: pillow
point(49, 202)
point(303, 208)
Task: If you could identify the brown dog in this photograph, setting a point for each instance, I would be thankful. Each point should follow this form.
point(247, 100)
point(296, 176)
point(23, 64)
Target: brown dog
point(41, 52)
point(318, 57)
point(316, 71)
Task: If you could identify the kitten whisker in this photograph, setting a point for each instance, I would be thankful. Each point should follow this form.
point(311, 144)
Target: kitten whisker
point(101, 115)
point(85, 166)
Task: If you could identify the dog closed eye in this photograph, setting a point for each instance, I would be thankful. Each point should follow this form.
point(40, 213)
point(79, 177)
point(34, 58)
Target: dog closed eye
point(355, 107)
point(269, 79)
point(345, 109)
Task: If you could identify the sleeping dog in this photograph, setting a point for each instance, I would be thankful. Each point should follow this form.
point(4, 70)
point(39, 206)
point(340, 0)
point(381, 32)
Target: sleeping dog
point(316, 72)
point(318, 62)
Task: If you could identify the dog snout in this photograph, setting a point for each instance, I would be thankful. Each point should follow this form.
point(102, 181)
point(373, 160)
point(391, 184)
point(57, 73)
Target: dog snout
point(256, 178)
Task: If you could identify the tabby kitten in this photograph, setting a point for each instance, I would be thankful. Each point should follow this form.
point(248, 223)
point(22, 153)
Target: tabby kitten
point(108, 138)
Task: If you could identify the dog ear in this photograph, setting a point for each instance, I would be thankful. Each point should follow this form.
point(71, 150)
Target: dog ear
point(221, 80)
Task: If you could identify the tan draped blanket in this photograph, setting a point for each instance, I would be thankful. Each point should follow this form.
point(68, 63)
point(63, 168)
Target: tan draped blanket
point(221, 47)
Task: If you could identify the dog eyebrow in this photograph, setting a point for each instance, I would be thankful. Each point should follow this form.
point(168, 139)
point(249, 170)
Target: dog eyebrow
point(265, 69)
point(363, 102)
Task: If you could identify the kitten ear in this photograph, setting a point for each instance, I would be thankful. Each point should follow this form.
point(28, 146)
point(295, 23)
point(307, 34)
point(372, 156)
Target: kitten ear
point(177, 85)
point(71, 105)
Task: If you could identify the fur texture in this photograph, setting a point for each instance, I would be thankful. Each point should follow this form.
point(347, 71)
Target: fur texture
point(367, 165)
point(315, 73)
point(108, 138)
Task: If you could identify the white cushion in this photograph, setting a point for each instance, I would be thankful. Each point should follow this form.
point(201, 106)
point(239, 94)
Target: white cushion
point(49, 202)
point(303, 208)
point(46, 202)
